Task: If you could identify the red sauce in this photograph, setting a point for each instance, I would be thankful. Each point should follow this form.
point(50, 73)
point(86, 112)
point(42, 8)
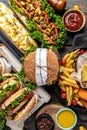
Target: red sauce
point(73, 20)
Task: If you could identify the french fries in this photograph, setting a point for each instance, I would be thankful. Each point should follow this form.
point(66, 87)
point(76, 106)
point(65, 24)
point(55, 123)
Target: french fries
point(67, 94)
point(70, 63)
point(69, 80)
point(70, 57)
point(66, 56)
point(69, 70)
point(68, 83)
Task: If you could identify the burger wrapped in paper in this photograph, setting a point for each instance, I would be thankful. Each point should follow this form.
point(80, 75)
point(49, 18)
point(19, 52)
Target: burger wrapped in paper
point(19, 105)
point(9, 83)
point(41, 67)
point(5, 66)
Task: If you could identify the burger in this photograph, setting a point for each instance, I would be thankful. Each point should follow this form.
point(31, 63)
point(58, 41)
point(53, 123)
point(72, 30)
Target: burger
point(41, 67)
point(9, 83)
point(5, 66)
point(19, 105)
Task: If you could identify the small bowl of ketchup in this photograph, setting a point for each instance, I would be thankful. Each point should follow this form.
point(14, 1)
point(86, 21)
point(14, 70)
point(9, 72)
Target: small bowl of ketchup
point(74, 20)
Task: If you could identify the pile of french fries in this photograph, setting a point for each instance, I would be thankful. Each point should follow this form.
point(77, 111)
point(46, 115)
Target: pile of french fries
point(66, 82)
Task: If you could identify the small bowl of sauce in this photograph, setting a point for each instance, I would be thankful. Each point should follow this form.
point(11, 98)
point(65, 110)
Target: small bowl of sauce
point(66, 118)
point(44, 122)
point(74, 20)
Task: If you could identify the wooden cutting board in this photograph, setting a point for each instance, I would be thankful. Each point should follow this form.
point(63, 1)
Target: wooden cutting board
point(50, 109)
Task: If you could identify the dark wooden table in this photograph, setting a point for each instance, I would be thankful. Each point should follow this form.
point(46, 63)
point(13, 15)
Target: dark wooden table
point(30, 122)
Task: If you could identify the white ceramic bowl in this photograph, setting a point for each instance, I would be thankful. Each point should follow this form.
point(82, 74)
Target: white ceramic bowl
point(62, 110)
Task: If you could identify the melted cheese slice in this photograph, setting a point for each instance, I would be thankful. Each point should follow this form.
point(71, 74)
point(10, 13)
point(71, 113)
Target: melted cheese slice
point(14, 30)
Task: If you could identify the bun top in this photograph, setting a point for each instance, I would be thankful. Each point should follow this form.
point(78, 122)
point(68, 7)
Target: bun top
point(41, 64)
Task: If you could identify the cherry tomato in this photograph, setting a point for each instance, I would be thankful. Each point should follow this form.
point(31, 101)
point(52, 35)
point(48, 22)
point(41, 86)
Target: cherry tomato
point(74, 102)
point(80, 52)
point(63, 62)
point(63, 95)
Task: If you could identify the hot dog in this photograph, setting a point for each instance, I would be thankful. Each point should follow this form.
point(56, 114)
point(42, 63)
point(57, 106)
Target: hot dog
point(14, 30)
point(19, 104)
point(45, 26)
point(9, 83)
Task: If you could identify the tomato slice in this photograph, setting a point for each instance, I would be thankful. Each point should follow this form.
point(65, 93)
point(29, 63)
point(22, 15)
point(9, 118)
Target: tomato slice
point(11, 111)
point(28, 96)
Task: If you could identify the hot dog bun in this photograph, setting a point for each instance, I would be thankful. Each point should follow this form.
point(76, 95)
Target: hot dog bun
point(12, 98)
point(30, 105)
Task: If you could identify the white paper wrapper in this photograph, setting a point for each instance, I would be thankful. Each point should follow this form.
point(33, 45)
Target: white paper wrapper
point(14, 125)
point(82, 60)
point(79, 76)
point(41, 66)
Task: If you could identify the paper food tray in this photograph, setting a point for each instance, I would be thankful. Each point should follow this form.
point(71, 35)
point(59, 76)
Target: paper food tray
point(5, 52)
point(43, 96)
